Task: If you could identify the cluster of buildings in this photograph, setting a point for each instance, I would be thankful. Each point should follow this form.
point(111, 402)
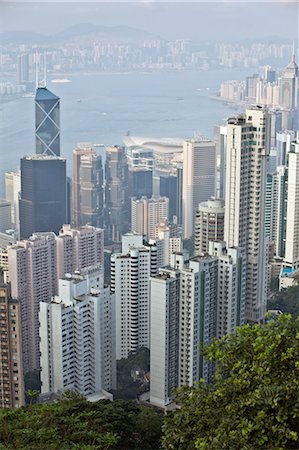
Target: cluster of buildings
point(237, 197)
point(106, 54)
point(271, 89)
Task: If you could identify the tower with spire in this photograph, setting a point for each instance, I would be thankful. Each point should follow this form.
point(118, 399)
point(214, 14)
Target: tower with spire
point(289, 84)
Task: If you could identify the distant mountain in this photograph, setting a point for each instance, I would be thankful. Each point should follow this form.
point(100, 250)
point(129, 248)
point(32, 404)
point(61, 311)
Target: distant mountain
point(83, 33)
point(22, 37)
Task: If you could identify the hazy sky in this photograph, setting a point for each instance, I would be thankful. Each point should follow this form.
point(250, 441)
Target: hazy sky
point(198, 20)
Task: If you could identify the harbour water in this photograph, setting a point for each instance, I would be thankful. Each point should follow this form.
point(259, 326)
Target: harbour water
point(101, 108)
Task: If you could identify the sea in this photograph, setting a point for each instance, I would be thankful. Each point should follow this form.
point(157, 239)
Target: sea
point(101, 108)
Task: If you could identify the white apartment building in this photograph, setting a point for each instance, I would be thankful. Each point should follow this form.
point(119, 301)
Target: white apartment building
point(231, 289)
point(164, 342)
point(78, 248)
point(146, 213)
point(192, 303)
point(167, 242)
point(34, 267)
point(248, 138)
point(209, 224)
point(199, 174)
point(130, 273)
point(77, 336)
point(12, 190)
point(292, 222)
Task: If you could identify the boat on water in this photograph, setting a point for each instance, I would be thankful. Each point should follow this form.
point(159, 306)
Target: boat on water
point(61, 80)
point(29, 95)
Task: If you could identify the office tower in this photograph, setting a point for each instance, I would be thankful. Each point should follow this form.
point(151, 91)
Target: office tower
point(146, 213)
point(289, 85)
point(245, 192)
point(283, 143)
point(250, 87)
point(140, 182)
point(209, 224)
point(179, 202)
point(12, 192)
point(23, 68)
point(130, 273)
point(199, 170)
point(165, 184)
point(270, 74)
point(231, 289)
point(220, 139)
point(36, 264)
point(78, 248)
point(167, 242)
point(88, 208)
point(43, 194)
point(275, 209)
point(117, 220)
point(292, 222)
point(164, 342)
point(11, 366)
point(5, 216)
point(47, 122)
point(77, 337)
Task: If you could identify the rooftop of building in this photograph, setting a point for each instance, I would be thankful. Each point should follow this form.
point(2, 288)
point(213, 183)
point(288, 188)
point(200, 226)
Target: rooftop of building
point(42, 93)
point(43, 157)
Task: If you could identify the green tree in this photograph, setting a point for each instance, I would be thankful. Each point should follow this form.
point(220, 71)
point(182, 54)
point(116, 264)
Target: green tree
point(74, 423)
point(286, 300)
point(254, 400)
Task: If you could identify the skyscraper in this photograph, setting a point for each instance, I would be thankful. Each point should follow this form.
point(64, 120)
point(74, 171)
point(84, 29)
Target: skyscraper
point(12, 192)
point(209, 224)
point(23, 68)
point(245, 193)
point(292, 218)
point(146, 213)
point(47, 122)
point(199, 170)
point(36, 264)
point(88, 208)
point(43, 194)
point(130, 273)
point(117, 220)
point(77, 333)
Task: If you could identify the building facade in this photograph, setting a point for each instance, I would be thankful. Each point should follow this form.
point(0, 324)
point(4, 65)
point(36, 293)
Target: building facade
point(77, 337)
point(209, 224)
point(147, 213)
point(130, 273)
point(245, 194)
point(47, 122)
point(12, 393)
point(43, 202)
point(116, 193)
point(87, 187)
point(199, 174)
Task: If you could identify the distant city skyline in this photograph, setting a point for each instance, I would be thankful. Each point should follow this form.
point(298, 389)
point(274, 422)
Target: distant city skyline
point(196, 20)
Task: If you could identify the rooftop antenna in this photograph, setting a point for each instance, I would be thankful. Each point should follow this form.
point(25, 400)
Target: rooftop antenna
point(36, 71)
point(45, 70)
point(293, 51)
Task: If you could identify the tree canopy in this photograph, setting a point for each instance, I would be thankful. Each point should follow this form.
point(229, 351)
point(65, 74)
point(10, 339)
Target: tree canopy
point(286, 300)
point(254, 400)
point(75, 423)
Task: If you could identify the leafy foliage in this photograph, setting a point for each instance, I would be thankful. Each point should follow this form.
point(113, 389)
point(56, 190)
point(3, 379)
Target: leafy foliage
point(127, 388)
point(254, 401)
point(287, 301)
point(75, 423)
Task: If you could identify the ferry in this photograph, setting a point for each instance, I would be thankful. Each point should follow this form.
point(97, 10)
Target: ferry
point(61, 80)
